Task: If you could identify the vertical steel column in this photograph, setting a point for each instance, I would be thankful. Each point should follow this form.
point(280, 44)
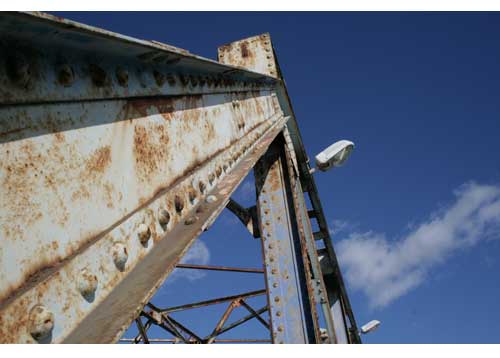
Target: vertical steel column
point(337, 309)
point(317, 287)
point(287, 279)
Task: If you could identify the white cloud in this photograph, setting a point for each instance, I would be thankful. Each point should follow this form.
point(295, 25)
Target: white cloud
point(198, 254)
point(339, 226)
point(387, 269)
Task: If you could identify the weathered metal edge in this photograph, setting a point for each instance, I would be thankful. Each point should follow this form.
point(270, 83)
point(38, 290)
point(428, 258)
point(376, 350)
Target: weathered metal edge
point(154, 45)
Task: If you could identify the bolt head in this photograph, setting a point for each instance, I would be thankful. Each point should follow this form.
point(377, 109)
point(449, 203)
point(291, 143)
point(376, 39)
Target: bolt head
point(120, 255)
point(65, 75)
point(143, 233)
point(163, 218)
point(41, 322)
point(122, 76)
point(87, 283)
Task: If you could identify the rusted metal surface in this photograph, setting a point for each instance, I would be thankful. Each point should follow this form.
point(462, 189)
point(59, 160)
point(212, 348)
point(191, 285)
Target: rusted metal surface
point(80, 179)
point(70, 172)
point(49, 59)
point(254, 53)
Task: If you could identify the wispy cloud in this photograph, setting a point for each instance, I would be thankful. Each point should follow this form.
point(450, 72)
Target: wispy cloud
point(337, 226)
point(198, 254)
point(387, 269)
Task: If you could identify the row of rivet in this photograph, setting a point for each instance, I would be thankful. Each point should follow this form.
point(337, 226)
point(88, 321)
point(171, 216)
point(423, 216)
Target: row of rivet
point(271, 249)
point(20, 71)
point(42, 320)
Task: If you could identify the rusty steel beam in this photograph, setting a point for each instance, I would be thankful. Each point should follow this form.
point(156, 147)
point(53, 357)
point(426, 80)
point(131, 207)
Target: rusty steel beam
point(168, 323)
point(243, 320)
point(291, 303)
point(54, 59)
point(225, 316)
point(247, 216)
point(255, 313)
point(141, 329)
point(219, 268)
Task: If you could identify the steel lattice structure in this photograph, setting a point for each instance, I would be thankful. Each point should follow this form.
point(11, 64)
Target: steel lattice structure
point(117, 154)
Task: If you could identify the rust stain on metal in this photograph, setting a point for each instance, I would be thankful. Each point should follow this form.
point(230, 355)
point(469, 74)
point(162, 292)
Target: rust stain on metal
point(70, 176)
point(99, 160)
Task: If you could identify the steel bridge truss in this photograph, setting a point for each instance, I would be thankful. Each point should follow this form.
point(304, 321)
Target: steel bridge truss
point(117, 154)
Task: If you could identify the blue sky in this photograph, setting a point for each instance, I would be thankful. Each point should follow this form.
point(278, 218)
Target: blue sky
point(416, 211)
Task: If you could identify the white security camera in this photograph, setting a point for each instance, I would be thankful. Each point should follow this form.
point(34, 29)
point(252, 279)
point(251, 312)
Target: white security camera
point(335, 155)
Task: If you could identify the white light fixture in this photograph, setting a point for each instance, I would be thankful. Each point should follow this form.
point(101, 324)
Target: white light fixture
point(370, 326)
point(334, 156)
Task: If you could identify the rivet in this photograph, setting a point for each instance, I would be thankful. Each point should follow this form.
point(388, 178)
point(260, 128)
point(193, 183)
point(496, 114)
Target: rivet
point(278, 313)
point(211, 199)
point(98, 75)
point(65, 75)
point(120, 255)
point(276, 299)
point(280, 328)
point(143, 233)
point(178, 203)
point(41, 322)
point(275, 284)
point(87, 283)
point(192, 196)
point(163, 217)
point(194, 80)
point(218, 171)
point(122, 76)
point(191, 220)
point(160, 78)
point(274, 271)
point(202, 187)
point(211, 178)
